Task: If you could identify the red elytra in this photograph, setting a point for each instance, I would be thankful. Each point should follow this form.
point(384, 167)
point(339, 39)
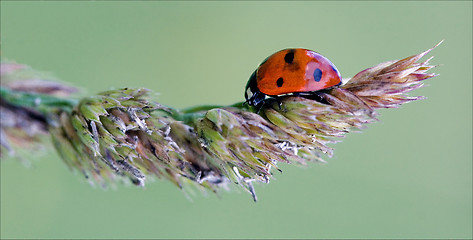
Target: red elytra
point(293, 70)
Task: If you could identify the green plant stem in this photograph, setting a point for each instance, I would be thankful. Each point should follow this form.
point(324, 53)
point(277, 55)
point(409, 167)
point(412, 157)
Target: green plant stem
point(47, 104)
point(202, 108)
point(41, 102)
point(188, 115)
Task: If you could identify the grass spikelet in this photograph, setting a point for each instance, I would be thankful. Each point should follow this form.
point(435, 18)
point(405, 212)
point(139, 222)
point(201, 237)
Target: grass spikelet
point(123, 135)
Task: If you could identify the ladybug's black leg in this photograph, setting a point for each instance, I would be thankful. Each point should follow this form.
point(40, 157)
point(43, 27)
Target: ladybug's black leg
point(319, 96)
point(258, 100)
point(258, 108)
point(278, 99)
point(267, 102)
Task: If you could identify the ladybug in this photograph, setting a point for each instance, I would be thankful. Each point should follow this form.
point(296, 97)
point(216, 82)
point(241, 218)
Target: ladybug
point(293, 70)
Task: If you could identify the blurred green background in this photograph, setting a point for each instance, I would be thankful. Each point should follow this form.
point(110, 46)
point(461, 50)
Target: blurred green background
point(407, 176)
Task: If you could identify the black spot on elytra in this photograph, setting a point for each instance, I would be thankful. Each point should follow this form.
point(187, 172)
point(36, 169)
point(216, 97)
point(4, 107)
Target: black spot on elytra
point(289, 57)
point(279, 82)
point(317, 74)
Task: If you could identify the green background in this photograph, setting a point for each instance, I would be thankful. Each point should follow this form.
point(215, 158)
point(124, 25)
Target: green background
point(407, 176)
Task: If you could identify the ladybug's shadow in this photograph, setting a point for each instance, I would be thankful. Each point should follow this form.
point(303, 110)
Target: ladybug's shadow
point(279, 100)
point(316, 96)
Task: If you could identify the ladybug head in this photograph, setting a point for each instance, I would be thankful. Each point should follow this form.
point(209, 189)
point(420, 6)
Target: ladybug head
point(253, 96)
